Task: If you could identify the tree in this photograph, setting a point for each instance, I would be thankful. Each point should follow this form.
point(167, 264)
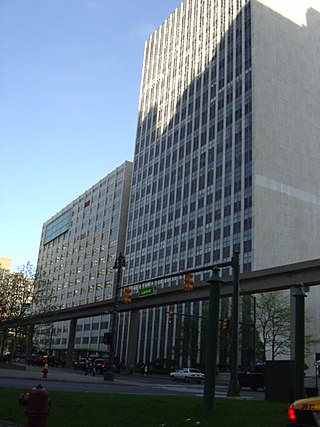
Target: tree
point(16, 290)
point(187, 341)
point(274, 323)
point(21, 294)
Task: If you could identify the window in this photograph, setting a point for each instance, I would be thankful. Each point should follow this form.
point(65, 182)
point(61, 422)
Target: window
point(57, 227)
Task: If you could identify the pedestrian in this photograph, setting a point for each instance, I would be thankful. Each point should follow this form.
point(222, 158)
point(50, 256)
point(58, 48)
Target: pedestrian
point(87, 367)
point(146, 370)
point(93, 369)
point(131, 369)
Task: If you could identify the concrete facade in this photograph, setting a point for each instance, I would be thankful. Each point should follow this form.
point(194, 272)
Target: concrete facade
point(286, 117)
point(6, 264)
point(78, 249)
point(286, 129)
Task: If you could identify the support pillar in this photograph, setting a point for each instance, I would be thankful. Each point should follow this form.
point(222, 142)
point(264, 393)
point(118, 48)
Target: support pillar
point(133, 339)
point(234, 388)
point(212, 340)
point(299, 295)
point(71, 340)
point(29, 342)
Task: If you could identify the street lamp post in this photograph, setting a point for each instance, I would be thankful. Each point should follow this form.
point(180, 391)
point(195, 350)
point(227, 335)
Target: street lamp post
point(119, 265)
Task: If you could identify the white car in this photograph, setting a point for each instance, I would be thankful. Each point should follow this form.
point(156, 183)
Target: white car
point(187, 374)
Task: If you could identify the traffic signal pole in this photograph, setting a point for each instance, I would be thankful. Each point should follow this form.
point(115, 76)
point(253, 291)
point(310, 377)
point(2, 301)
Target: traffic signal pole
point(212, 340)
point(233, 389)
point(118, 266)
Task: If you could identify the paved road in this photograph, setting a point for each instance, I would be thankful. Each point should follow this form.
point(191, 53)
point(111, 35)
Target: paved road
point(70, 380)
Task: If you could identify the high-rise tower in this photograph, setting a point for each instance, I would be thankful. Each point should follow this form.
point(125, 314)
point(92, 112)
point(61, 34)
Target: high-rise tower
point(227, 149)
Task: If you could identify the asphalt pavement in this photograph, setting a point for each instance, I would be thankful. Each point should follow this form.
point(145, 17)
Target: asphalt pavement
point(58, 374)
point(69, 375)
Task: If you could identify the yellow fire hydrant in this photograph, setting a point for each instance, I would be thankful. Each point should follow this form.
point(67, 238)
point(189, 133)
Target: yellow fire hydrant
point(45, 371)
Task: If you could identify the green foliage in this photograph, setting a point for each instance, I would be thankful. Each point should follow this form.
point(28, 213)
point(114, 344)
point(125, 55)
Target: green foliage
point(274, 322)
point(22, 293)
point(117, 410)
point(187, 341)
point(16, 290)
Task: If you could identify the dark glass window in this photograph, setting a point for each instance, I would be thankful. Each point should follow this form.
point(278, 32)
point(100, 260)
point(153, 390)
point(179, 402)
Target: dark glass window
point(57, 227)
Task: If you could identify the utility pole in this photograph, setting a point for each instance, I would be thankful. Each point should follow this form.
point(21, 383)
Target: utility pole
point(118, 266)
point(233, 389)
point(212, 339)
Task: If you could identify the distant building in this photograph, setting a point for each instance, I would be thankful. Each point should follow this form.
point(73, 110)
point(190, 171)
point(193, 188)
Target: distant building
point(6, 264)
point(78, 249)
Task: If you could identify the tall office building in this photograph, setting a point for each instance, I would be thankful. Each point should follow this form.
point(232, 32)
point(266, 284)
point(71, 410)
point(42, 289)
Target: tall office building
point(78, 249)
point(227, 153)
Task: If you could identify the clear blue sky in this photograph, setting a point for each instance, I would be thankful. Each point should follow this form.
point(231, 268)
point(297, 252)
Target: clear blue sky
point(70, 75)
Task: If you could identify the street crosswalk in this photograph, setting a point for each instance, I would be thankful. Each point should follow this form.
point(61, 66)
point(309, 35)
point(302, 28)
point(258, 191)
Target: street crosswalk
point(193, 389)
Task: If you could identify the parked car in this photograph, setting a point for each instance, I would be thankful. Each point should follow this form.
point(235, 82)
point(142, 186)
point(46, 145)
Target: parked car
point(54, 361)
point(253, 377)
point(187, 374)
point(38, 359)
point(100, 365)
point(304, 412)
point(80, 364)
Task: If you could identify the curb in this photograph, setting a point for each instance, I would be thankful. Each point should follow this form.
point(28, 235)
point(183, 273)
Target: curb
point(9, 424)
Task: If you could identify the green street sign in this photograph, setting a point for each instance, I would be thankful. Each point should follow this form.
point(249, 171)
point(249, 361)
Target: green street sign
point(144, 292)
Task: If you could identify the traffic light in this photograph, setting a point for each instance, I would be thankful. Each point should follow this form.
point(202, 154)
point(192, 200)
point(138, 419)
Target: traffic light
point(107, 338)
point(170, 317)
point(225, 324)
point(188, 282)
point(127, 295)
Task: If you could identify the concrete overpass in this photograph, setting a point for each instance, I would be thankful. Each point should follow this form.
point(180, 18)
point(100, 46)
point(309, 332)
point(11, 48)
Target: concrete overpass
point(266, 280)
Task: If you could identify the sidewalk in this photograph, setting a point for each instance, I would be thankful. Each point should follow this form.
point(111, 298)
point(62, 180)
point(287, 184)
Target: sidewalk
point(68, 375)
point(58, 374)
point(9, 424)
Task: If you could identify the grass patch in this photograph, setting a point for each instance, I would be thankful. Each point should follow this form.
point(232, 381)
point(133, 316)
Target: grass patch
point(122, 410)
